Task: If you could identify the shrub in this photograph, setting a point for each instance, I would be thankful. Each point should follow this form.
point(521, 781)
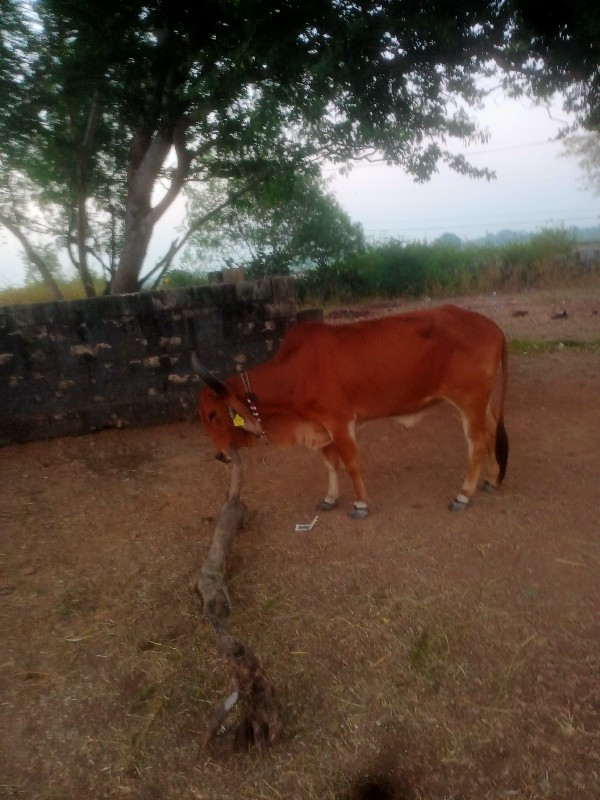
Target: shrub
point(542, 259)
point(182, 278)
point(338, 281)
point(408, 269)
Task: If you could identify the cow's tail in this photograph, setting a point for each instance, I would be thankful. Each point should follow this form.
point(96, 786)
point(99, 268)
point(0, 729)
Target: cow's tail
point(501, 449)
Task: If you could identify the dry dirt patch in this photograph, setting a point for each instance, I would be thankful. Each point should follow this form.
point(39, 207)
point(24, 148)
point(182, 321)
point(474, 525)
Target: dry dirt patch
point(457, 652)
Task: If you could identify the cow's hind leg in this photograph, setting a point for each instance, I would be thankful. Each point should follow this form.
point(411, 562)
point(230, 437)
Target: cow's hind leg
point(497, 451)
point(345, 445)
point(331, 457)
point(476, 430)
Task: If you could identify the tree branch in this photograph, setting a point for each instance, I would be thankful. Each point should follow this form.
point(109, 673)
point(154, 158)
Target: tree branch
point(35, 258)
point(83, 156)
point(184, 160)
point(164, 264)
point(259, 718)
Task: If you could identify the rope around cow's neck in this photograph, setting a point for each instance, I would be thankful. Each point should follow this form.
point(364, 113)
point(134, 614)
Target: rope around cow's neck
point(251, 401)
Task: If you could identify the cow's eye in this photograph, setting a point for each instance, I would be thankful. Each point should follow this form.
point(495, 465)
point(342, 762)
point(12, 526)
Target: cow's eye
point(212, 416)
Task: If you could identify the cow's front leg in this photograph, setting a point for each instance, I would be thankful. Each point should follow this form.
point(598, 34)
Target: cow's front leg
point(331, 458)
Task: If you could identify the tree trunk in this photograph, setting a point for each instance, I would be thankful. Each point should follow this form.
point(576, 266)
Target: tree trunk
point(135, 246)
point(82, 231)
point(148, 158)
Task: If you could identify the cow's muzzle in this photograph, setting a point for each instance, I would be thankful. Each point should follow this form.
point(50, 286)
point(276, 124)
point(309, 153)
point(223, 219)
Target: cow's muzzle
point(223, 457)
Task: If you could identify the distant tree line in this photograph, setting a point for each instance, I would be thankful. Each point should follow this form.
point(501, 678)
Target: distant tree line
point(508, 236)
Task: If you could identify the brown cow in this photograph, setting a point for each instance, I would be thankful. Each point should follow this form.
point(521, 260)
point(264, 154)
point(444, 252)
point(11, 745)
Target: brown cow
point(327, 379)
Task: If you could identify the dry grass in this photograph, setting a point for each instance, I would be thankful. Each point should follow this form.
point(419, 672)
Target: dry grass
point(39, 293)
point(454, 655)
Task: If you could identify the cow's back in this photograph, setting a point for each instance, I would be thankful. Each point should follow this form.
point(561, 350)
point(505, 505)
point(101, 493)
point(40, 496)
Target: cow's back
point(389, 365)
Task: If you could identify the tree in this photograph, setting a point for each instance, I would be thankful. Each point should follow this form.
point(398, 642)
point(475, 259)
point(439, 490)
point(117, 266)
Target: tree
point(109, 109)
point(288, 222)
point(556, 47)
point(585, 147)
point(449, 239)
point(63, 158)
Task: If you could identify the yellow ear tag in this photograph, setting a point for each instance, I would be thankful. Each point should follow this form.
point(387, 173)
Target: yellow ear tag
point(238, 421)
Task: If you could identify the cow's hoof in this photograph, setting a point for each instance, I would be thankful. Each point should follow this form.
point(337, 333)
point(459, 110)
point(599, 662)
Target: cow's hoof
point(459, 503)
point(326, 505)
point(489, 487)
point(359, 512)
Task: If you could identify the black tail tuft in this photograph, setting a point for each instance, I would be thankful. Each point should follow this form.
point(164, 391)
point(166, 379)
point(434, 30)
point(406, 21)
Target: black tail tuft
point(501, 449)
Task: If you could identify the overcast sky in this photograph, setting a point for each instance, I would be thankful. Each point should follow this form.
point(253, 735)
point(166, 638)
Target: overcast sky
point(534, 188)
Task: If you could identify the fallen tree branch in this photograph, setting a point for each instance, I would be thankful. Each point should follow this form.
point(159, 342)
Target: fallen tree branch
point(253, 694)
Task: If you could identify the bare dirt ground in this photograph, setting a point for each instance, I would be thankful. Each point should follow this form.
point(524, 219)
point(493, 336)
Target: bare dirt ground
point(457, 653)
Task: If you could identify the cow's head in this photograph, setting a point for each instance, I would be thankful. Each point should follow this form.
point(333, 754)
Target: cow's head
point(226, 417)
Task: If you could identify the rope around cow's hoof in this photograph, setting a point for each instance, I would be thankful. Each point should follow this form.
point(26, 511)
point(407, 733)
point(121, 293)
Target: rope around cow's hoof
point(327, 505)
point(459, 503)
point(359, 512)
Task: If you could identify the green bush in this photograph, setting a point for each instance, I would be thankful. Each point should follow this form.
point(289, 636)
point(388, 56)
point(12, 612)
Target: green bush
point(338, 281)
point(542, 257)
point(409, 269)
point(182, 278)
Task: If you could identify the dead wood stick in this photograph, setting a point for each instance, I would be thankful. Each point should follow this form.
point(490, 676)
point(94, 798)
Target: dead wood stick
point(210, 578)
point(259, 718)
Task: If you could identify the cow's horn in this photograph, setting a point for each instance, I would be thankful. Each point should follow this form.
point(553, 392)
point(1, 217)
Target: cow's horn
point(209, 379)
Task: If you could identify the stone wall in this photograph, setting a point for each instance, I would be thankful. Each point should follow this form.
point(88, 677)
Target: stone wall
point(71, 367)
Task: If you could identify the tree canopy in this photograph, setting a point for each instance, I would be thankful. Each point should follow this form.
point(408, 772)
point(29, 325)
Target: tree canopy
point(108, 109)
point(290, 224)
point(585, 147)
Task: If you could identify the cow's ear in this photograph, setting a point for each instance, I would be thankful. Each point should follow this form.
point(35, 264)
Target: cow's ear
point(218, 387)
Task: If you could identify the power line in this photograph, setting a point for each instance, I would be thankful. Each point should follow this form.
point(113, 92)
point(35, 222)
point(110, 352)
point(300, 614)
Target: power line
point(571, 214)
point(546, 220)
